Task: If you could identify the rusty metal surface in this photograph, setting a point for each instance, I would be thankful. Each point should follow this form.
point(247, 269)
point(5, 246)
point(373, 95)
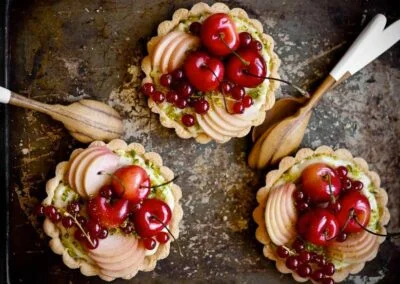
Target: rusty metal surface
point(62, 51)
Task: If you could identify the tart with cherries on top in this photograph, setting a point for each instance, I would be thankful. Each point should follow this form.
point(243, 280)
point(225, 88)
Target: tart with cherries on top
point(112, 210)
point(319, 215)
point(205, 73)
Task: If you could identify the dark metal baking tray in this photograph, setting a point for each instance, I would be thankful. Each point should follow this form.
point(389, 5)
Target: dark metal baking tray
point(60, 51)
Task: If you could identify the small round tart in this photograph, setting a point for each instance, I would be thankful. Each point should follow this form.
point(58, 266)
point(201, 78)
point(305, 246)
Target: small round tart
point(226, 113)
point(104, 233)
point(302, 230)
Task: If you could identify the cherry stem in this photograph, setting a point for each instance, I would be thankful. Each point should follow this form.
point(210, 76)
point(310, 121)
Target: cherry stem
point(244, 62)
point(80, 227)
point(162, 184)
point(114, 177)
point(351, 215)
point(300, 90)
point(331, 196)
point(390, 235)
point(165, 226)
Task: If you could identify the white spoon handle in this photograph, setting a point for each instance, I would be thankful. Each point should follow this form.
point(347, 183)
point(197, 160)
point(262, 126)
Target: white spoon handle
point(372, 42)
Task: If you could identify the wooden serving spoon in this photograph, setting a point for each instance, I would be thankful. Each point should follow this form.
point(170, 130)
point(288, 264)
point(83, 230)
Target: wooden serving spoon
point(86, 120)
point(284, 136)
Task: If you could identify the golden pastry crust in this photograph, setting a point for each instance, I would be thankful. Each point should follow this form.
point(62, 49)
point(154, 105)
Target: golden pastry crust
point(89, 268)
point(273, 176)
point(201, 9)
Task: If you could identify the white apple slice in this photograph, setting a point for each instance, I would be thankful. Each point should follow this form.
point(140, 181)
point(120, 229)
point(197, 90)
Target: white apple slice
point(91, 181)
point(159, 49)
point(230, 118)
point(113, 245)
point(209, 131)
point(76, 160)
point(181, 51)
point(218, 128)
point(169, 50)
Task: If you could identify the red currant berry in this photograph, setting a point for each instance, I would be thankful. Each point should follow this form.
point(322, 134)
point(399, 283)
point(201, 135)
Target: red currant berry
point(93, 228)
point(247, 101)
point(192, 101)
point(149, 243)
point(357, 185)
point(82, 220)
point(298, 196)
point(162, 237)
point(201, 106)
point(56, 217)
point(312, 256)
point(292, 262)
point(148, 89)
point(238, 108)
point(106, 191)
point(327, 280)
point(184, 90)
point(195, 28)
point(245, 39)
point(320, 260)
point(188, 120)
point(256, 45)
point(67, 222)
point(298, 245)
point(317, 275)
point(172, 97)
point(346, 183)
point(304, 256)
point(49, 211)
point(93, 244)
point(129, 228)
point(341, 172)
point(73, 207)
point(103, 233)
point(166, 80)
point(238, 92)
point(334, 207)
point(181, 103)
point(329, 269)
point(282, 252)
point(39, 210)
point(302, 206)
point(341, 237)
point(177, 75)
point(225, 87)
point(158, 97)
point(304, 270)
point(79, 235)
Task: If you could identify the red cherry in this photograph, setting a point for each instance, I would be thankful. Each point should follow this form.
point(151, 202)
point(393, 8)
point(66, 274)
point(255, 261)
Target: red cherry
point(166, 80)
point(357, 185)
point(302, 206)
point(147, 218)
point(93, 227)
point(346, 184)
point(201, 106)
point(67, 222)
point(304, 270)
point(158, 97)
point(317, 275)
point(181, 103)
point(304, 256)
point(282, 252)
point(131, 183)
point(93, 244)
point(103, 233)
point(188, 120)
point(238, 108)
point(219, 34)
point(195, 28)
point(292, 262)
point(256, 45)
point(148, 89)
point(245, 39)
point(74, 207)
point(318, 226)
point(56, 217)
point(315, 182)
point(162, 237)
point(329, 269)
point(108, 215)
point(238, 72)
point(341, 237)
point(362, 210)
point(334, 207)
point(247, 101)
point(298, 245)
point(149, 243)
point(177, 75)
point(184, 90)
point(106, 191)
point(203, 71)
point(341, 172)
point(172, 97)
point(238, 92)
point(225, 87)
point(49, 211)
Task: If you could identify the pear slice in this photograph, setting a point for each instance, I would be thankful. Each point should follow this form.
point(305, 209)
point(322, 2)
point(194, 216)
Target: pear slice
point(181, 50)
point(169, 50)
point(230, 118)
point(161, 46)
point(115, 244)
point(218, 137)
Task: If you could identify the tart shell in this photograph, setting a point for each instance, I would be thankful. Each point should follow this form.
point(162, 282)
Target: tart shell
point(200, 9)
point(90, 268)
point(273, 176)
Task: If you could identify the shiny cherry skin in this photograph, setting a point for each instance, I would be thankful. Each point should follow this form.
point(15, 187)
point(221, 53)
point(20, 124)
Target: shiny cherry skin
point(247, 101)
point(246, 75)
point(318, 226)
point(172, 97)
point(315, 182)
point(195, 28)
point(147, 218)
point(245, 39)
point(203, 71)
point(219, 35)
point(106, 214)
point(149, 243)
point(131, 183)
point(362, 209)
point(201, 106)
point(162, 237)
point(188, 120)
point(238, 108)
point(147, 89)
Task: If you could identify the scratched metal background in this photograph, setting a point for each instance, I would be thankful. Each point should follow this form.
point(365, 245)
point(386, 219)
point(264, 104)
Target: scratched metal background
point(61, 51)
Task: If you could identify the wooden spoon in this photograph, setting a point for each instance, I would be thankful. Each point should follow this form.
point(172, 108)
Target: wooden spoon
point(86, 120)
point(284, 137)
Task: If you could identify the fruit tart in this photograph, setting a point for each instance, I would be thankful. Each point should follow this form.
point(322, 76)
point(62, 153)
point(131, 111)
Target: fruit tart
point(112, 210)
point(321, 215)
point(207, 73)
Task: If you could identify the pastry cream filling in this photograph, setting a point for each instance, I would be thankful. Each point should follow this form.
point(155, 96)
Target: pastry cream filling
point(64, 194)
point(355, 172)
point(259, 94)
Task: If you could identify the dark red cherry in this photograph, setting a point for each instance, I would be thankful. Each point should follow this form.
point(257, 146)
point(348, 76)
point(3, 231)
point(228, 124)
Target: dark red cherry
point(149, 243)
point(172, 97)
point(162, 237)
point(147, 89)
point(201, 106)
point(245, 39)
point(166, 80)
point(238, 108)
point(188, 120)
